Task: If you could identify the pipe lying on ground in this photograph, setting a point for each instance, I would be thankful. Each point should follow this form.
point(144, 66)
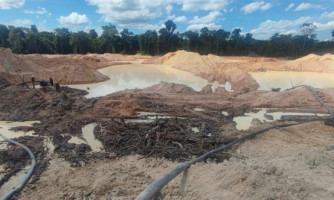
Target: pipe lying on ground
point(29, 174)
point(316, 96)
point(154, 188)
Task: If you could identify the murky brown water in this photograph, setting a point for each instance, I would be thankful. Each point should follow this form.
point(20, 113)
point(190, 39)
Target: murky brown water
point(88, 135)
point(5, 126)
point(137, 75)
point(244, 122)
point(280, 79)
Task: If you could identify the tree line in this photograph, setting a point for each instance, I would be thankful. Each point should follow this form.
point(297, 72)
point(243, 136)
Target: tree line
point(219, 42)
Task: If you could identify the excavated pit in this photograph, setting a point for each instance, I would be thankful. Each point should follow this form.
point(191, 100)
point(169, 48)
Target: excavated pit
point(128, 131)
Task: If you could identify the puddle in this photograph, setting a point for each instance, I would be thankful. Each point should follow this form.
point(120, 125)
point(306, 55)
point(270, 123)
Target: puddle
point(278, 79)
point(13, 182)
point(199, 109)
point(227, 86)
point(195, 129)
point(76, 140)
point(5, 127)
point(225, 113)
point(245, 122)
point(88, 135)
point(137, 75)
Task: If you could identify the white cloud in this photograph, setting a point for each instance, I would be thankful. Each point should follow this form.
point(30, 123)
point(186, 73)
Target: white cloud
point(169, 9)
point(307, 6)
point(195, 5)
point(74, 19)
point(39, 11)
point(197, 27)
point(270, 27)
point(8, 4)
point(153, 27)
point(22, 23)
point(324, 27)
point(255, 6)
point(327, 15)
point(292, 5)
point(206, 19)
point(130, 12)
point(178, 19)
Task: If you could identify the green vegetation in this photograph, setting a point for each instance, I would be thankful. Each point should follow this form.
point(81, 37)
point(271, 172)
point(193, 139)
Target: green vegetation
point(219, 42)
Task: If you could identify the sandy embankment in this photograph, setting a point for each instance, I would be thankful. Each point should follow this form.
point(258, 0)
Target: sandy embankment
point(65, 69)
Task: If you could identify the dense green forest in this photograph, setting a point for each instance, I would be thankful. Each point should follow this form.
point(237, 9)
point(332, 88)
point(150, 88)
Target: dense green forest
point(218, 42)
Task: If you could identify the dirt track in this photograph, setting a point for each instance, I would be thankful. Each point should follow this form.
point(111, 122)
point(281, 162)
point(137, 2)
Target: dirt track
point(281, 164)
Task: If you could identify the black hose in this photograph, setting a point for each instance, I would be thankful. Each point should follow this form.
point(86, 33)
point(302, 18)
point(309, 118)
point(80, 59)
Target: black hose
point(316, 96)
point(154, 188)
point(29, 174)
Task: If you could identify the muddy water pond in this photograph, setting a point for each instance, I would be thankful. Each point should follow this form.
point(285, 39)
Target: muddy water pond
point(283, 79)
point(137, 75)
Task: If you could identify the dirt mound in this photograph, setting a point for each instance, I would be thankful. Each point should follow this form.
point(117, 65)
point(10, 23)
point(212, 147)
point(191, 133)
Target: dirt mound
point(308, 57)
point(63, 69)
point(165, 88)
point(212, 68)
point(11, 63)
point(6, 78)
point(309, 63)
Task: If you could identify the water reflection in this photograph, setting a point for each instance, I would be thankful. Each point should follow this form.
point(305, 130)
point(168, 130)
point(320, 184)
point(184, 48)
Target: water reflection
point(140, 76)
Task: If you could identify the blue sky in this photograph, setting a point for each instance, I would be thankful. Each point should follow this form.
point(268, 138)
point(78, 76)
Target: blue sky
point(262, 18)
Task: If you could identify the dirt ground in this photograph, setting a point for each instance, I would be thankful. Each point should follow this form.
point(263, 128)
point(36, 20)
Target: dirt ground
point(292, 163)
point(286, 163)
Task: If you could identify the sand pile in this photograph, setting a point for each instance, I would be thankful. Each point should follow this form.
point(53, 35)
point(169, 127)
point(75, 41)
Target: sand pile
point(166, 88)
point(297, 98)
point(11, 63)
point(309, 63)
point(212, 68)
point(6, 78)
point(63, 69)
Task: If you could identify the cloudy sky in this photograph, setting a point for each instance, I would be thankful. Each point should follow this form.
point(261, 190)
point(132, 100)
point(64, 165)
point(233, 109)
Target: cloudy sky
point(262, 18)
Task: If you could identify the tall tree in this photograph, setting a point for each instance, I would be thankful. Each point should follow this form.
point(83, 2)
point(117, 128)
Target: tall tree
point(307, 30)
point(235, 37)
point(81, 42)
point(93, 34)
point(108, 42)
point(4, 31)
point(62, 40)
point(126, 40)
point(221, 38)
point(16, 39)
